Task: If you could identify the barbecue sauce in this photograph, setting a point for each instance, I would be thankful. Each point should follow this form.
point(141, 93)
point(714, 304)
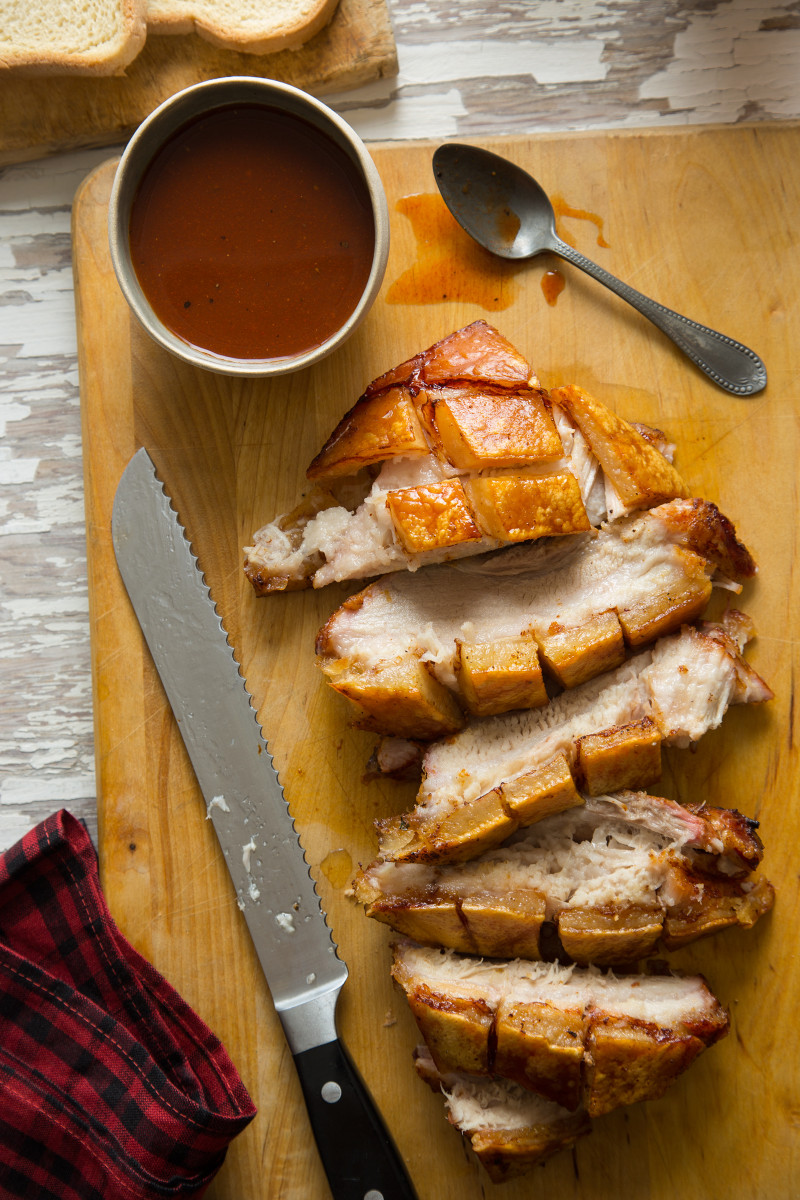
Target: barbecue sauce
point(252, 234)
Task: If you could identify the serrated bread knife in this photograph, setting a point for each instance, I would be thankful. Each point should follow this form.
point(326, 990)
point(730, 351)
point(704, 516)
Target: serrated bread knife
point(245, 801)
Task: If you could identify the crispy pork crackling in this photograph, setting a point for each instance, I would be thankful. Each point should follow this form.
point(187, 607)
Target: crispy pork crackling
point(577, 1036)
point(503, 773)
point(509, 1128)
point(616, 876)
point(416, 653)
point(455, 452)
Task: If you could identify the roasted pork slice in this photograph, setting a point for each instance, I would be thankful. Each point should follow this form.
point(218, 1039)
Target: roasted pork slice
point(577, 1036)
point(509, 1128)
point(615, 876)
point(414, 652)
point(455, 452)
point(634, 477)
point(505, 772)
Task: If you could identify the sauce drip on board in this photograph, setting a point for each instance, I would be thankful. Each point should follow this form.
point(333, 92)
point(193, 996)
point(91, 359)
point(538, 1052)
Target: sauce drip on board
point(562, 209)
point(552, 286)
point(450, 266)
point(252, 234)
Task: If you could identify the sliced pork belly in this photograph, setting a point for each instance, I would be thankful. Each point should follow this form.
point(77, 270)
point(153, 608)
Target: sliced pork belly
point(455, 452)
point(509, 771)
point(509, 1128)
point(615, 876)
point(412, 652)
point(576, 1036)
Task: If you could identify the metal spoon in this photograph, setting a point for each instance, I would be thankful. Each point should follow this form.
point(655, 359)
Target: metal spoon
point(505, 210)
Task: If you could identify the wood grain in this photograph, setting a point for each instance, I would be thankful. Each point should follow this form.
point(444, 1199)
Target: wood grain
point(702, 221)
point(45, 114)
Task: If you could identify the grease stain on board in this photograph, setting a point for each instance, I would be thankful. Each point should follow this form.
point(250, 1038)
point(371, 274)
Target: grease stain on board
point(337, 867)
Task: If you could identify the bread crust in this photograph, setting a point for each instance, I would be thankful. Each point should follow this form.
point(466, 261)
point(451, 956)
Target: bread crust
point(197, 16)
point(108, 57)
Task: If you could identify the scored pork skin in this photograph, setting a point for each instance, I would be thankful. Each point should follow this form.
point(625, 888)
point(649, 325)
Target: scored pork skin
point(639, 474)
point(574, 1035)
point(509, 1129)
point(456, 452)
point(508, 771)
point(481, 631)
point(615, 876)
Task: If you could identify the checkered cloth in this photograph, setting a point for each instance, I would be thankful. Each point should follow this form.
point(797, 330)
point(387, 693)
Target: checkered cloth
point(111, 1088)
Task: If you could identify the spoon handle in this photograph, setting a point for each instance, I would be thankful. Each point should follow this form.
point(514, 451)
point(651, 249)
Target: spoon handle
point(728, 363)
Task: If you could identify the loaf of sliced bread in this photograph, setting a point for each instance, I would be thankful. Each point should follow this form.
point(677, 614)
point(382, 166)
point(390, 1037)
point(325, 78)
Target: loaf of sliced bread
point(59, 37)
point(250, 26)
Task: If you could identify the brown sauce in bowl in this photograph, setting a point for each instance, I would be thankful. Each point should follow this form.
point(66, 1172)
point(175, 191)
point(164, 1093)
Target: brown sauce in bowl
point(252, 234)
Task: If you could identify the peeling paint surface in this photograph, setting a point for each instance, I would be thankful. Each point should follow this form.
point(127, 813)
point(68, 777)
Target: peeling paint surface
point(469, 69)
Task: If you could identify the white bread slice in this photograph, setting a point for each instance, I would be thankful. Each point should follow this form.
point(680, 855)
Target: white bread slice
point(249, 26)
point(65, 37)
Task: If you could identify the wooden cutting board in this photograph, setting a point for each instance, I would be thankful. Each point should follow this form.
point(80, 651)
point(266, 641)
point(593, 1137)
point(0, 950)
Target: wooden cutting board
point(705, 221)
point(41, 115)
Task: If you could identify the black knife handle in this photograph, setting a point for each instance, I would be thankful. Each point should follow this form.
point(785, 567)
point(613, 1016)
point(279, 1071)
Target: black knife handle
point(359, 1157)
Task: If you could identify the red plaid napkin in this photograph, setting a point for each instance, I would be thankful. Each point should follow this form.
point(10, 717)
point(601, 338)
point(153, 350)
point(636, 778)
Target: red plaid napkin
point(110, 1086)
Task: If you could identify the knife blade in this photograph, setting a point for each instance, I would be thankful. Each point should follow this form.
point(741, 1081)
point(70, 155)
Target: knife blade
point(245, 801)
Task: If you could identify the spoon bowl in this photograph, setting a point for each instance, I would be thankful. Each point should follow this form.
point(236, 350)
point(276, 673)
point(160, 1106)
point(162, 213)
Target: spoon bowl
point(508, 213)
point(501, 206)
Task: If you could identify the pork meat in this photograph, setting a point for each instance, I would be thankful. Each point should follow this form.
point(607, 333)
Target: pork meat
point(615, 876)
point(414, 653)
point(455, 452)
point(509, 771)
point(576, 1035)
point(509, 1128)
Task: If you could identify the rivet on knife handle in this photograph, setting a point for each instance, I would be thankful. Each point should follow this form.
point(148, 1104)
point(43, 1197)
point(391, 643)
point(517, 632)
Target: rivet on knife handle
point(355, 1148)
point(245, 801)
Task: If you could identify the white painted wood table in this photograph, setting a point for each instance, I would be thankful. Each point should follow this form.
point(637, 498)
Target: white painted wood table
point(468, 68)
